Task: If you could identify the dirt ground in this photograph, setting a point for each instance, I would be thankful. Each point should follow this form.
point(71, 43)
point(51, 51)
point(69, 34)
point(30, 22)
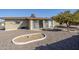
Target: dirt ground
point(52, 37)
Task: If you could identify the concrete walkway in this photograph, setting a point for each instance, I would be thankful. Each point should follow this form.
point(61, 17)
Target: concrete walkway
point(7, 36)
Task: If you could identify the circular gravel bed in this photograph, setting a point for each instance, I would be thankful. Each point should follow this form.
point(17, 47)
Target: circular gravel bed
point(25, 39)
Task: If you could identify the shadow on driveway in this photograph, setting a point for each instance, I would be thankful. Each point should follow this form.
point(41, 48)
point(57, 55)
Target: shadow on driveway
point(71, 43)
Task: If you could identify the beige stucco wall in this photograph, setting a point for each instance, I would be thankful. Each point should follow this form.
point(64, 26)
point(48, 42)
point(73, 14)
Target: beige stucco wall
point(12, 25)
point(55, 23)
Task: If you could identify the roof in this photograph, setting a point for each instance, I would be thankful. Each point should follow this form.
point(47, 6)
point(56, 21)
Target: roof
point(37, 18)
point(29, 18)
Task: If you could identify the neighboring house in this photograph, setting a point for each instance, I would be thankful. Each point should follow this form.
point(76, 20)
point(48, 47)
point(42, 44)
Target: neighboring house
point(14, 23)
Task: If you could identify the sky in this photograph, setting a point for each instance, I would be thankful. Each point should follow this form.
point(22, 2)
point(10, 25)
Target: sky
point(28, 12)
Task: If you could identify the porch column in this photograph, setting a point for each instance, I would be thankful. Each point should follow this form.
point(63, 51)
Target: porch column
point(31, 24)
point(53, 24)
point(43, 23)
point(49, 22)
point(38, 24)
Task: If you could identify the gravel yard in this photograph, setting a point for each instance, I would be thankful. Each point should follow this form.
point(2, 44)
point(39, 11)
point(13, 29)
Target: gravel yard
point(52, 37)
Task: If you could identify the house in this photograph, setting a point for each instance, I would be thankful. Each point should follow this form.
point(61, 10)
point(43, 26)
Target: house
point(31, 23)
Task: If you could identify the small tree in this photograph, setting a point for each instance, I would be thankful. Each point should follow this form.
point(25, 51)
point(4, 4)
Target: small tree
point(58, 18)
point(65, 17)
point(76, 17)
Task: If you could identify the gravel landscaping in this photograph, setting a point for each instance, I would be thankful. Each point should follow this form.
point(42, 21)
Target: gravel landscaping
point(52, 37)
point(28, 38)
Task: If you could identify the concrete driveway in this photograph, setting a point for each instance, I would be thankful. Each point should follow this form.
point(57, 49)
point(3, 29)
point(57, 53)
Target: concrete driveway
point(52, 37)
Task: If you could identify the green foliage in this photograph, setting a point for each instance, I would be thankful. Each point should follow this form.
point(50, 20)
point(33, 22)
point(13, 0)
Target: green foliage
point(76, 16)
point(67, 17)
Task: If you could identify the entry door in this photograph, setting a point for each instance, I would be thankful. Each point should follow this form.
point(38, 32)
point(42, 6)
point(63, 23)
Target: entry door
point(40, 23)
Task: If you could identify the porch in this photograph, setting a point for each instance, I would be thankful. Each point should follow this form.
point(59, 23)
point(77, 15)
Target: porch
point(40, 24)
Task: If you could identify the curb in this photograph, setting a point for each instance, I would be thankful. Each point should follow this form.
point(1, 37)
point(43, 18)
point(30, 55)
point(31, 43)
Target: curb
point(22, 43)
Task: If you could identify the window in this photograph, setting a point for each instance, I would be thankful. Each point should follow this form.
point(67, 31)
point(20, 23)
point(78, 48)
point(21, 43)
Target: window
point(35, 24)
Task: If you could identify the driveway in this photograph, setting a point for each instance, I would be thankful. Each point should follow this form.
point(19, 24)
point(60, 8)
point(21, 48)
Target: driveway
point(52, 37)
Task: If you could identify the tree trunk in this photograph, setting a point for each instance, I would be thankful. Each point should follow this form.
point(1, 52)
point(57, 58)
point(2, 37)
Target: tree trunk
point(68, 25)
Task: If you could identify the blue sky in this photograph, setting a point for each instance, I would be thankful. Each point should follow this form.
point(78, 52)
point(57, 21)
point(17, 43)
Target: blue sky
point(28, 12)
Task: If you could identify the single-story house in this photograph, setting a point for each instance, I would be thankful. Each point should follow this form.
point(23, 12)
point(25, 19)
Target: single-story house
point(14, 23)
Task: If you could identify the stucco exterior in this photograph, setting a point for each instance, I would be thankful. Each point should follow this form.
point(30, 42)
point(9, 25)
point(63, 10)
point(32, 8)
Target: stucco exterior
point(14, 24)
point(27, 23)
point(55, 23)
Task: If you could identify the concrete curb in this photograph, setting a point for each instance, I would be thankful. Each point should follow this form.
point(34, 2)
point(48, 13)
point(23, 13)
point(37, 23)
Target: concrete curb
point(22, 43)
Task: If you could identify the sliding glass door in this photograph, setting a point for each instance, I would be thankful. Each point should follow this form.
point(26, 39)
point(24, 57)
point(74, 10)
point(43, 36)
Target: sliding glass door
point(35, 24)
point(40, 23)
